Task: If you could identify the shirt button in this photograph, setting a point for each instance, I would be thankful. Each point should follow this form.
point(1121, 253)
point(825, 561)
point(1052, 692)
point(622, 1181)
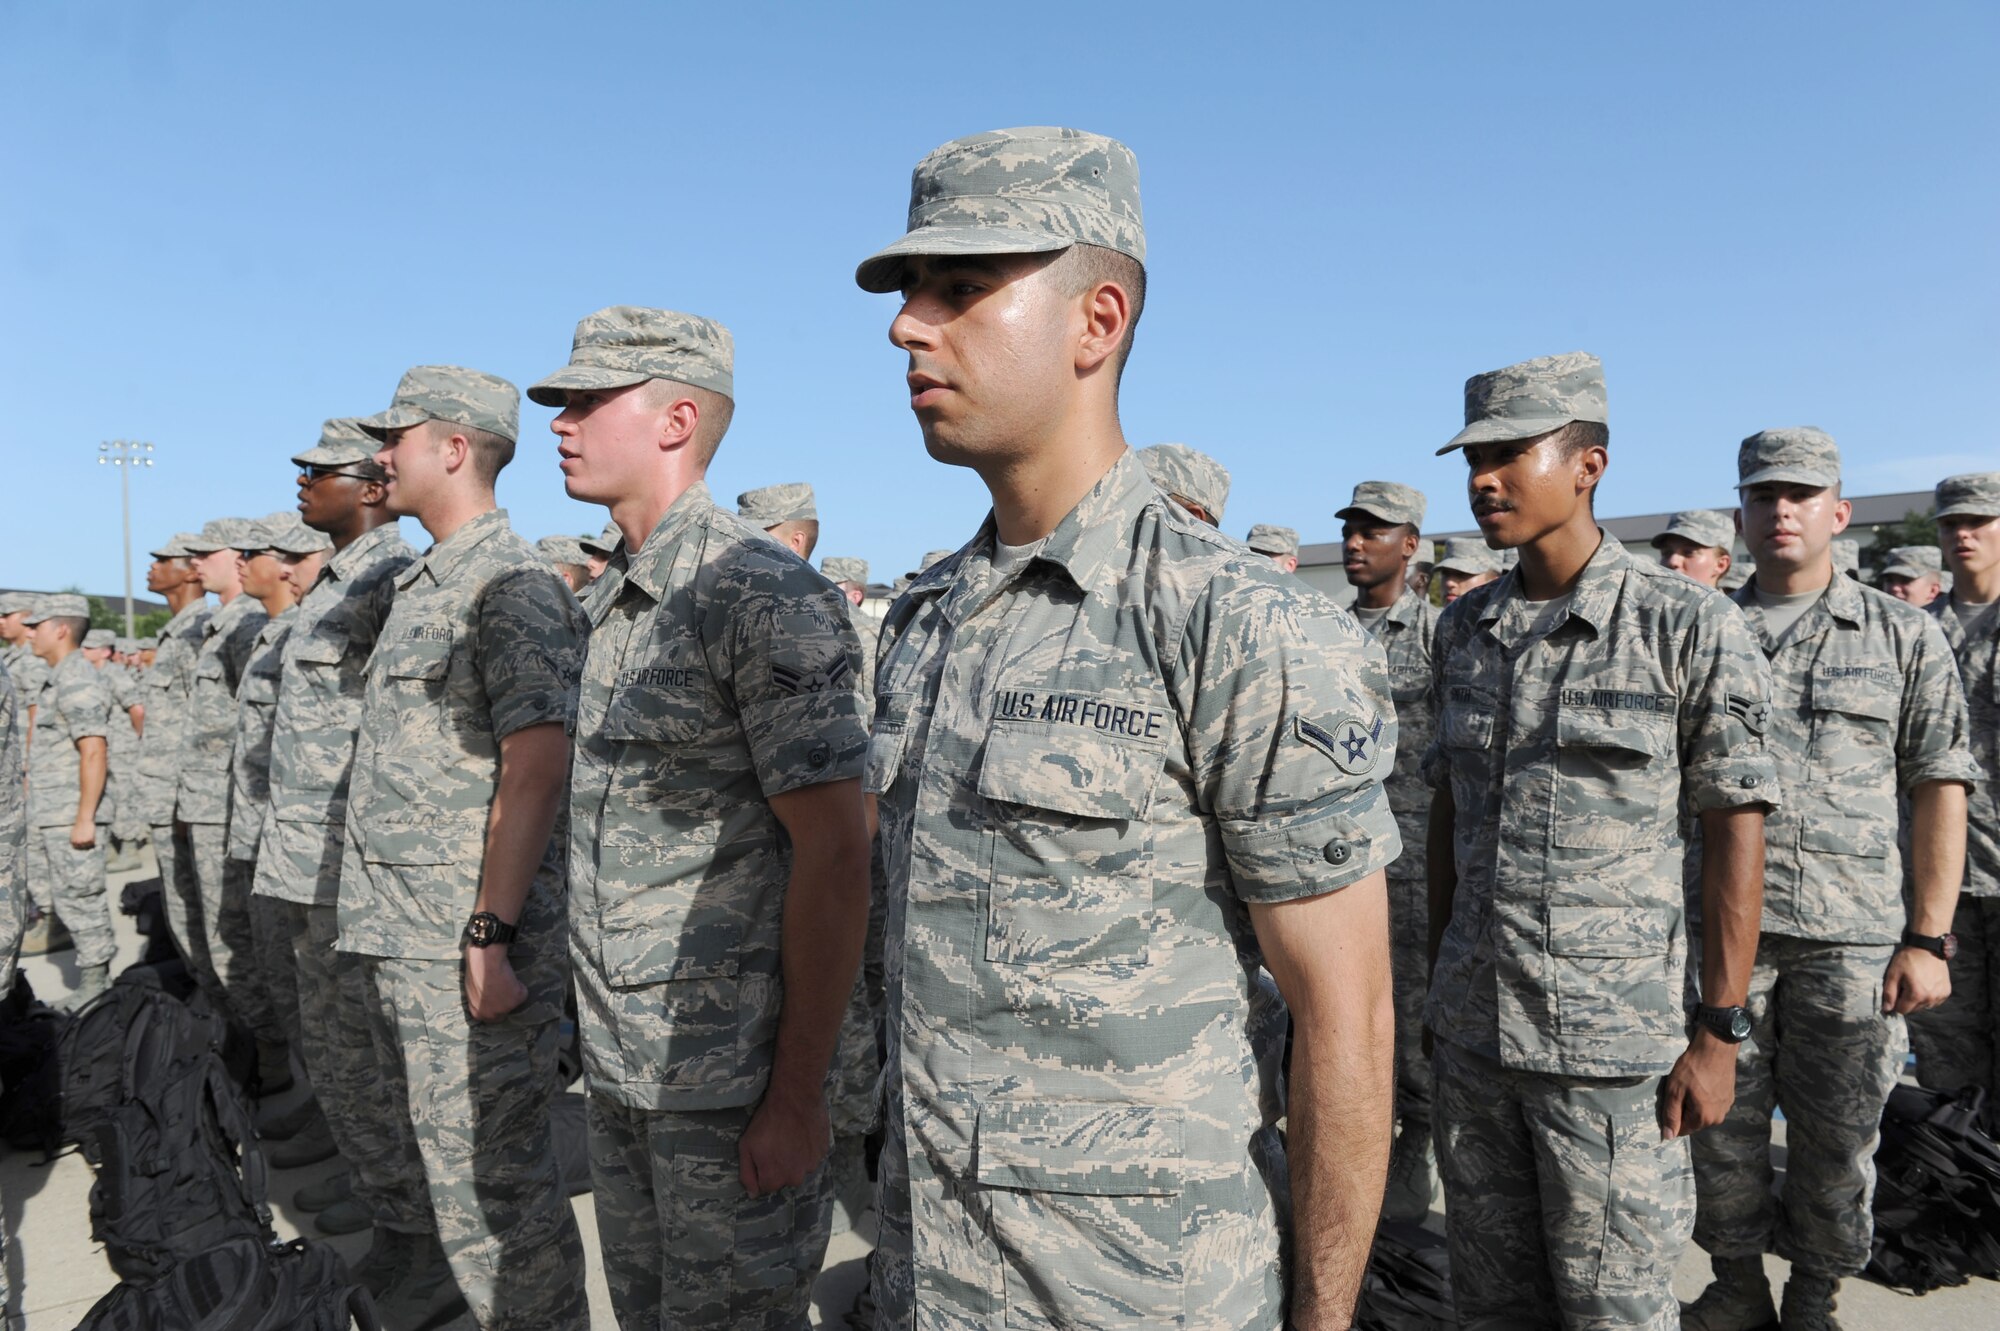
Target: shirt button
point(1338, 852)
point(819, 756)
point(1747, 782)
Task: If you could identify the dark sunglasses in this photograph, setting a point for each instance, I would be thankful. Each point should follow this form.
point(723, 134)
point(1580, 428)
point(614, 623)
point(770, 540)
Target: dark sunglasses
point(313, 474)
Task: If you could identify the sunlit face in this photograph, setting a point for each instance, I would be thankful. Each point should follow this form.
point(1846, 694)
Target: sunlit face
point(1373, 552)
point(163, 575)
point(414, 458)
point(1284, 563)
point(1790, 526)
point(1457, 583)
point(218, 572)
point(261, 572)
point(1521, 489)
point(1920, 591)
point(1704, 563)
point(46, 638)
point(991, 341)
point(300, 572)
point(328, 497)
point(609, 440)
point(12, 630)
point(1970, 544)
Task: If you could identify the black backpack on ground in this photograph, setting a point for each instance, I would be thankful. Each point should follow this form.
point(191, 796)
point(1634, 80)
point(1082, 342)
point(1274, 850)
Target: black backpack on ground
point(1937, 1192)
point(242, 1284)
point(142, 900)
point(30, 1071)
point(1408, 1284)
point(148, 1098)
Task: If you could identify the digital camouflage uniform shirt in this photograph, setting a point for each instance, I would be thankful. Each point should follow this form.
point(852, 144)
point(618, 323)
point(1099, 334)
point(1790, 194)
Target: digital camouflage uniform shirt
point(120, 799)
point(1088, 770)
point(165, 689)
point(719, 672)
point(318, 711)
point(13, 827)
point(73, 705)
point(250, 756)
point(1977, 649)
point(483, 639)
point(202, 793)
point(27, 670)
point(1867, 703)
point(1567, 758)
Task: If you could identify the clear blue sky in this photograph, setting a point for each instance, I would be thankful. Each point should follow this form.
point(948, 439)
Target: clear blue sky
point(220, 224)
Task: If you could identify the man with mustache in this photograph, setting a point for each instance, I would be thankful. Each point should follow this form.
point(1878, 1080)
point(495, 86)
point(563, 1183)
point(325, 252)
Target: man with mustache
point(1956, 1040)
point(1866, 710)
point(1380, 534)
point(1580, 699)
point(1129, 773)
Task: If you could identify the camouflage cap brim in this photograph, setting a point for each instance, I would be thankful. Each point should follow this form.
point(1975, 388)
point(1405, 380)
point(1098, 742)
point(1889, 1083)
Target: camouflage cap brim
point(1503, 429)
point(395, 418)
point(1791, 473)
point(554, 391)
point(1899, 569)
point(882, 272)
point(1364, 511)
point(322, 456)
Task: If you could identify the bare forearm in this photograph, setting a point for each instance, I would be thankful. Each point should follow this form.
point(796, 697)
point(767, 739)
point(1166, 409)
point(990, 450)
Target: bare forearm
point(1339, 1119)
point(93, 762)
point(534, 767)
point(1732, 902)
point(1937, 854)
point(138, 714)
point(825, 925)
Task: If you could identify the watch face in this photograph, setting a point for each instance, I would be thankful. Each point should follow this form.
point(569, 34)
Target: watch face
point(480, 929)
point(1739, 1024)
point(1950, 942)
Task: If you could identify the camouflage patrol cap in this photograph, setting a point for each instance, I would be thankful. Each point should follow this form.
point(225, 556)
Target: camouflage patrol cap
point(604, 544)
point(844, 568)
point(454, 394)
point(770, 505)
point(1385, 500)
point(17, 603)
point(1465, 555)
point(1913, 561)
point(100, 638)
point(343, 443)
point(1266, 539)
point(1703, 526)
point(1976, 493)
point(147, 644)
point(930, 557)
point(1531, 398)
point(125, 645)
point(622, 345)
point(58, 605)
point(1846, 555)
point(176, 546)
point(1189, 474)
point(222, 534)
point(1802, 455)
point(560, 549)
point(288, 534)
point(1017, 191)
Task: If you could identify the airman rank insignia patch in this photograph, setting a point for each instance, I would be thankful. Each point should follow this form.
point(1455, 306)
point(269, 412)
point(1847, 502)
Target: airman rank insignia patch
point(1353, 744)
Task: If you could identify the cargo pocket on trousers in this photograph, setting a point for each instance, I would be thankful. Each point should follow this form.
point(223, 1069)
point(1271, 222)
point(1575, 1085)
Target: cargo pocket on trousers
point(1648, 1204)
point(1085, 1208)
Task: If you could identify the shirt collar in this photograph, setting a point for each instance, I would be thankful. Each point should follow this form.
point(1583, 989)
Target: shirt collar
point(650, 567)
point(358, 553)
point(1591, 600)
point(444, 558)
point(1403, 610)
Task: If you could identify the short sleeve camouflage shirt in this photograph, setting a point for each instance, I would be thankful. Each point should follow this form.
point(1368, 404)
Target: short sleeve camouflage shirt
point(719, 672)
point(250, 757)
point(203, 792)
point(1088, 769)
point(1977, 647)
point(483, 639)
point(164, 689)
point(1406, 635)
point(1567, 756)
point(73, 706)
point(13, 826)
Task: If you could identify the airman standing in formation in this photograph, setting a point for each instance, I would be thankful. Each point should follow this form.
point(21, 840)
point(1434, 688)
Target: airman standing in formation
point(718, 852)
point(598, 549)
point(1579, 698)
point(1381, 532)
point(1190, 477)
point(68, 759)
point(452, 882)
point(342, 493)
point(165, 687)
point(1957, 1041)
point(1914, 574)
point(101, 649)
point(786, 513)
point(1280, 545)
point(23, 666)
point(1465, 564)
point(1119, 758)
point(1697, 543)
point(13, 871)
point(1866, 706)
point(565, 554)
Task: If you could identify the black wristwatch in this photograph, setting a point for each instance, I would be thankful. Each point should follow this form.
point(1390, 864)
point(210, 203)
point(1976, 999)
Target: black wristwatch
point(1727, 1023)
point(1944, 945)
point(485, 929)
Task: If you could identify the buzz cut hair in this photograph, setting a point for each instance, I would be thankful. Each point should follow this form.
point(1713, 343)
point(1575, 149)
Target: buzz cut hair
point(714, 412)
point(77, 625)
point(1083, 266)
point(490, 452)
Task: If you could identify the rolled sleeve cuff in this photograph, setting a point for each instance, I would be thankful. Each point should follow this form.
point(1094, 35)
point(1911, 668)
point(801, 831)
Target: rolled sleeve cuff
point(807, 741)
point(1310, 854)
point(1958, 767)
point(1733, 783)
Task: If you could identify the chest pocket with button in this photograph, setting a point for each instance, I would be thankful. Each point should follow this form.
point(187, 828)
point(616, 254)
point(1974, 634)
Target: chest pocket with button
point(659, 699)
point(1071, 878)
point(887, 744)
point(1854, 726)
point(1617, 783)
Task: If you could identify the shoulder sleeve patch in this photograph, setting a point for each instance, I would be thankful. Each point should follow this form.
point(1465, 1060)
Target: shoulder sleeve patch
point(1752, 712)
point(1351, 743)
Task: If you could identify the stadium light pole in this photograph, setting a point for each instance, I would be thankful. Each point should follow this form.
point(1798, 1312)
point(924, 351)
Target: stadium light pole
point(126, 454)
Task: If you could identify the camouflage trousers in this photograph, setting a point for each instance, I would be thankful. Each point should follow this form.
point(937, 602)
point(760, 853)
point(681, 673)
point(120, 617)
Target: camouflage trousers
point(1820, 1049)
point(1958, 1042)
point(1409, 942)
point(171, 849)
point(1566, 1208)
point(684, 1246)
point(72, 881)
point(277, 971)
point(215, 914)
point(475, 1100)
